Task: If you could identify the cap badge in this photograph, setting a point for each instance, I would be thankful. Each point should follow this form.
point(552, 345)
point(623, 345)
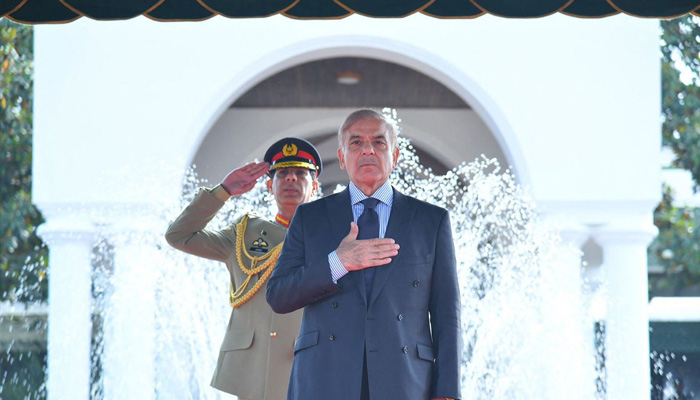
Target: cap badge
point(289, 150)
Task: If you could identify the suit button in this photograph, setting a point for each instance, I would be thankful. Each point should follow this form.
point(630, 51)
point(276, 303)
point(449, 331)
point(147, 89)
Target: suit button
point(334, 305)
point(331, 337)
point(399, 317)
point(405, 349)
point(416, 283)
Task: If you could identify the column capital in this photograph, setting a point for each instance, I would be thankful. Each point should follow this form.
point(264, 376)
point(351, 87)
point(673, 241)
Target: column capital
point(619, 234)
point(67, 230)
point(72, 222)
point(66, 223)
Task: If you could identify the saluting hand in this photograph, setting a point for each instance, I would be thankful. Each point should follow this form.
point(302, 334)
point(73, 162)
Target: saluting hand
point(360, 254)
point(242, 179)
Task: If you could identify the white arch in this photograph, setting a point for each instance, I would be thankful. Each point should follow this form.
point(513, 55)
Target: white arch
point(380, 48)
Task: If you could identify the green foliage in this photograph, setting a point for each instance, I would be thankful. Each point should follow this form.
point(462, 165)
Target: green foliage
point(24, 378)
point(680, 48)
point(23, 256)
point(677, 248)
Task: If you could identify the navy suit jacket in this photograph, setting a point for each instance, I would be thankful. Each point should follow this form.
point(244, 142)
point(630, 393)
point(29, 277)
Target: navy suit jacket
point(409, 324)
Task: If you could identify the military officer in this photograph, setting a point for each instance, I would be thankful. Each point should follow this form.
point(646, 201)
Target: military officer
point(256, 355)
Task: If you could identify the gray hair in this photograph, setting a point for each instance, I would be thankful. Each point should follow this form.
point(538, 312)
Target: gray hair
point(367, 113)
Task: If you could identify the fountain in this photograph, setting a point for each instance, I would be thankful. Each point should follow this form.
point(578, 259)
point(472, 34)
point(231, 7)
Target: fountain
point(526, 331)
point(525, 327)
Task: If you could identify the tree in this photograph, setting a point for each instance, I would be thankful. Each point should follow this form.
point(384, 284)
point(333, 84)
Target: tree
point(23, 256)
point(680, 48)
point(677, 248)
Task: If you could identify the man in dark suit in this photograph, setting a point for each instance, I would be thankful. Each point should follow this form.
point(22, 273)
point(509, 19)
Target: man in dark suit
point(375, 273)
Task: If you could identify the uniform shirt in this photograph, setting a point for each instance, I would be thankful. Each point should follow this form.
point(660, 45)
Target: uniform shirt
point(385, 195)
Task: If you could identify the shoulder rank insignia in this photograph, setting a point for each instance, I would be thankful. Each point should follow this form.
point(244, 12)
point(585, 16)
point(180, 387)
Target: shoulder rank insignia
point(259, 245)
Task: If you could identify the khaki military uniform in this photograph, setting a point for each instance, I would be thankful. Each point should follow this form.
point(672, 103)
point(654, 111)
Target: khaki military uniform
point(258, 348)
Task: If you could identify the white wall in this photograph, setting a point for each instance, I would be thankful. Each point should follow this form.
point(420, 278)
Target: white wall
point(565, 97)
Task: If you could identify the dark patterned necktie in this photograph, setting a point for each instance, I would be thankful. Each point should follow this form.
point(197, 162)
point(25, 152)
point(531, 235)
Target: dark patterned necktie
point(368, 223)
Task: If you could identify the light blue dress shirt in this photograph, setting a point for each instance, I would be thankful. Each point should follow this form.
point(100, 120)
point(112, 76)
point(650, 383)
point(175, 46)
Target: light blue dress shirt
point(385, 195)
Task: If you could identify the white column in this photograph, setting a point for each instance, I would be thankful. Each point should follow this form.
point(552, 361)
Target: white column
point(576, 234)
point(129, 330)
point(627, 325)
point(70, 301)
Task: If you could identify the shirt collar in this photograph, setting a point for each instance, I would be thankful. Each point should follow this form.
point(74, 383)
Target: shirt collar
point(384, 193)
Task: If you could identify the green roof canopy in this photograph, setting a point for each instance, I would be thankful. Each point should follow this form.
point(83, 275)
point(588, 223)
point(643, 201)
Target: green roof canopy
point(62, 11)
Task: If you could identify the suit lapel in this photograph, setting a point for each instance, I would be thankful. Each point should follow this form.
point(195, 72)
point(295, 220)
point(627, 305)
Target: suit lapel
point(340, 213)
point(340, 216)
point(398, 229)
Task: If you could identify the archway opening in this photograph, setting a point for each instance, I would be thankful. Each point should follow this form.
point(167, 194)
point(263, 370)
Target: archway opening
point(311, 99)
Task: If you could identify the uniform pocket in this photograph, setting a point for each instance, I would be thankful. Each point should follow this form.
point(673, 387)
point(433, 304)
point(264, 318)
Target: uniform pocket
point(305, 341)
point(238, 339)
point(425, 352)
